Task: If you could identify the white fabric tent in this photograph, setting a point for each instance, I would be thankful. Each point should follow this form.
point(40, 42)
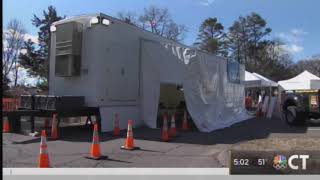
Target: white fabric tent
point(257, 80)
point(265, 81)
point(251, 80)
point(212, 101)
point(303, 81)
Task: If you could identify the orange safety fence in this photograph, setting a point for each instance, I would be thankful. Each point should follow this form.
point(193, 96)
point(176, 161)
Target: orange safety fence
point(10, 104)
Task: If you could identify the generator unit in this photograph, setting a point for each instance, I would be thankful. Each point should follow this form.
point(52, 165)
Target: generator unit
point(68, 49)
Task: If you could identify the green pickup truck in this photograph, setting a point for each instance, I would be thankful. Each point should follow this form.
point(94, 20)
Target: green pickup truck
point(301, 106)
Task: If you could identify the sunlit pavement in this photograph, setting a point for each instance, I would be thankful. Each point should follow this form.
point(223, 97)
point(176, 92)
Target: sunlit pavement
point(189, 149)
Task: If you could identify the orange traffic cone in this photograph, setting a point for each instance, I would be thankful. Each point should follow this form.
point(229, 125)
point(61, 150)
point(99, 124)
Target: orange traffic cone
point(95, 152)
point(95, 147)
point(6, 126)
point(44, 156)
point(129, 144)
point(116, 130)
point(165, 133)
point(54, 127)
point(185, 122)
point(173, 129)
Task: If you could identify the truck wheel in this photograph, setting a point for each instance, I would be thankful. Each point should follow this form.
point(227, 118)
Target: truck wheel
point(315, 120)
point(290, 116)
point(293, 117)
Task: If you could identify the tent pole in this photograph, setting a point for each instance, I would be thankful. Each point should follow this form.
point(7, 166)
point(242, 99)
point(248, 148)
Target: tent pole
point(270, 91)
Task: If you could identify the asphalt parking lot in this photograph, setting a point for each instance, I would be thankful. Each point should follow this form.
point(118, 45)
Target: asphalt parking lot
point(189, 149)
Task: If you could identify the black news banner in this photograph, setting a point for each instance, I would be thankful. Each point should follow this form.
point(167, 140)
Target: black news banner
point(274, 162)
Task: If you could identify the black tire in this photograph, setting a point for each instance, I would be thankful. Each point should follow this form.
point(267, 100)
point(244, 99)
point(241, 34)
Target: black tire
point(314, 119)
point(289, 117)
point(299, 119)
point(315, 122)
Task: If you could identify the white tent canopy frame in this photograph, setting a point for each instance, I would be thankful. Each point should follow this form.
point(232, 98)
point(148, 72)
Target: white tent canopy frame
point(257, 80)
point(251, 80)
point(265, 81)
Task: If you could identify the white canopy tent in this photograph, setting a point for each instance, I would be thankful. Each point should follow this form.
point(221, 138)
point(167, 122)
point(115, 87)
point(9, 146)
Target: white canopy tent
point(251, 80)
point(265, 81)
point(257, 80)
point(303, 81)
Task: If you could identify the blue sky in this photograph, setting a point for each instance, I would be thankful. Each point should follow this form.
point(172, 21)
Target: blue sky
point(295, 21)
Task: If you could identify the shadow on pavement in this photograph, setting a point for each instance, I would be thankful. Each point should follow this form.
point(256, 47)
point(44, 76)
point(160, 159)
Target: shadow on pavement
point(243, 131)
point(106, 158)
point(147, 150)
point(116, 160)
point(37, 140)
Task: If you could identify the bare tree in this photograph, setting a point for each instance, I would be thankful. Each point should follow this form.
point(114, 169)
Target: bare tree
point(311, 64)
point(157, 20)
point(175, 31)
point(128, 17)
point(12, 41)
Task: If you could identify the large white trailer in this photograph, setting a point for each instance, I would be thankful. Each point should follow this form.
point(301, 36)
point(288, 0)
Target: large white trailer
point(119, 68)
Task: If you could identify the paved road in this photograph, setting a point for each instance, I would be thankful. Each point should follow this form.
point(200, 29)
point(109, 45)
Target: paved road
point(190, 149)
point(22, 151)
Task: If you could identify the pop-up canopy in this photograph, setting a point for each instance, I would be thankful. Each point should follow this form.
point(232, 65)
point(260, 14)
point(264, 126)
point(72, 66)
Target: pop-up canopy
point(257, 80)
point(303, 81)
point(251, 80)
point(265, 81)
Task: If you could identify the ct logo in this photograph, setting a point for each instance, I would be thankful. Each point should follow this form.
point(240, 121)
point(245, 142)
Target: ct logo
point(281, 162)
point(302, 157)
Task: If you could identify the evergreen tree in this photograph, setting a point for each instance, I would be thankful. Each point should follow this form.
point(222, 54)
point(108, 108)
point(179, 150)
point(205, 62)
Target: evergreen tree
point(246, 38)
point(211, 37)
point(31, 61)
point(248, 44)
point(36, 60)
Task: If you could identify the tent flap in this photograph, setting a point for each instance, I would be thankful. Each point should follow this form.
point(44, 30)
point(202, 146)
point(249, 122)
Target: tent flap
point(211, 100)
